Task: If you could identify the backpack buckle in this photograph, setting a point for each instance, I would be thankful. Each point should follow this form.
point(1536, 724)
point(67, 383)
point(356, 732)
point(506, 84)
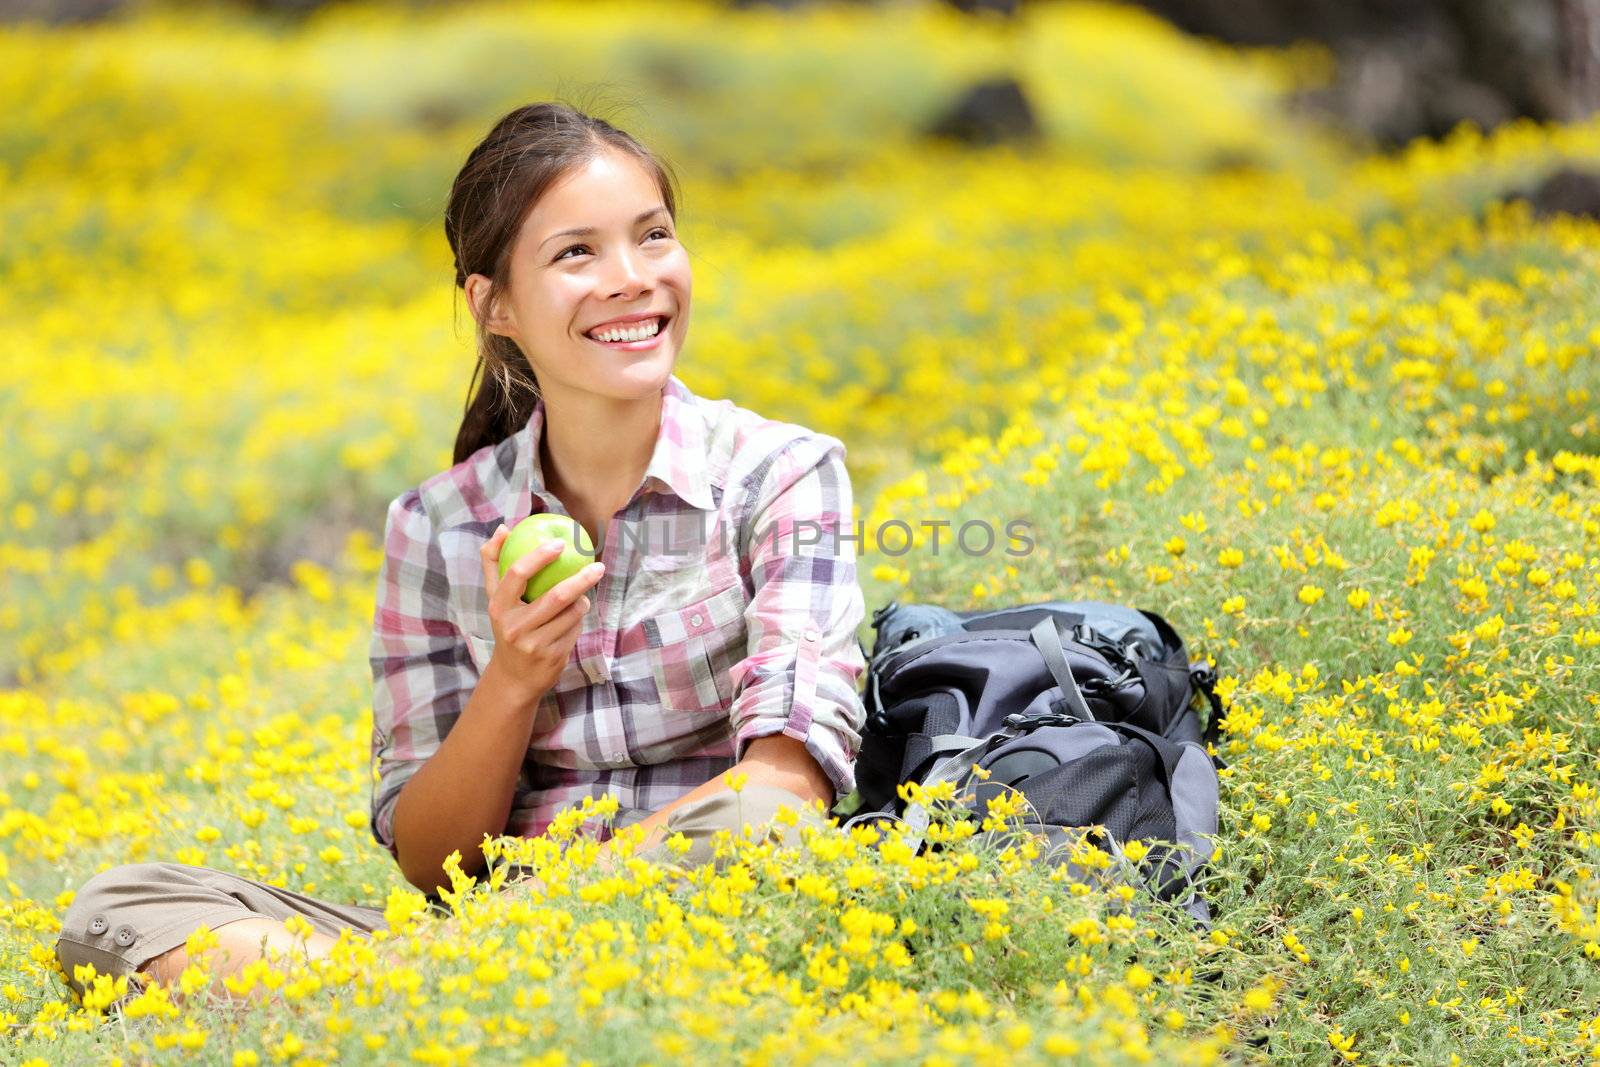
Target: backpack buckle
point(1126, 652)
point(876, 693)
point(1018, 721)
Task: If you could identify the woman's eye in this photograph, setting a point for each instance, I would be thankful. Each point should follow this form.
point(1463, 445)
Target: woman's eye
point(662, 230)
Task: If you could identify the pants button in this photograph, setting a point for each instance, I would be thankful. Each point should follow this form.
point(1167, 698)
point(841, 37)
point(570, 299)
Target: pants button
point(97, 925)
point(125, 936)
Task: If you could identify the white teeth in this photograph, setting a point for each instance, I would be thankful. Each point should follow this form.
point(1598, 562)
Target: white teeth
point(647, 328)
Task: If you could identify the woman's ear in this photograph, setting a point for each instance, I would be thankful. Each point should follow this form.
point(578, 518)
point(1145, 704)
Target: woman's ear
point(488, 313)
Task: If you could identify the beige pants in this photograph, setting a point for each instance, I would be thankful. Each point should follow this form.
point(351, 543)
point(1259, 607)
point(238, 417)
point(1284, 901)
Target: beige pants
point(124, 917)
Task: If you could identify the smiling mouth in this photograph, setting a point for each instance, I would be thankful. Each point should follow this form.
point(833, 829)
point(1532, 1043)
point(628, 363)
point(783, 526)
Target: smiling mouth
point(661, 328)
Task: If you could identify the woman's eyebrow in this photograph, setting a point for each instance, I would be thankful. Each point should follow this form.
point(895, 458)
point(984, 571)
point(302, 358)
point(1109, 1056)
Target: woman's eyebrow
point(582, 231)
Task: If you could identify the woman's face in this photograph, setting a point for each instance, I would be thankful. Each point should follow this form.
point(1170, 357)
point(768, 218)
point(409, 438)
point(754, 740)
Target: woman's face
point(628, 263)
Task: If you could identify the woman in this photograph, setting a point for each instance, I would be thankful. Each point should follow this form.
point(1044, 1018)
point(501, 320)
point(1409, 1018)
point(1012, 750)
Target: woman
point(716, 631)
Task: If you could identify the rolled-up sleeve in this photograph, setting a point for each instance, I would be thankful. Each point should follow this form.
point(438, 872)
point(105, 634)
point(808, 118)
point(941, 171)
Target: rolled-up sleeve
point(422, 672)
point(804, 665)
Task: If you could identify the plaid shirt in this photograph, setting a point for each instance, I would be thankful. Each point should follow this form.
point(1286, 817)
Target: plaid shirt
point(718, 619)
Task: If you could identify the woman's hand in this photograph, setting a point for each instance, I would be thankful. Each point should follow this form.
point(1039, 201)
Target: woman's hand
point(533, 641)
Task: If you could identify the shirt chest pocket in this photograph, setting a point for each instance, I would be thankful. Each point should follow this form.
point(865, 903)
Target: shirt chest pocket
point(694, 649)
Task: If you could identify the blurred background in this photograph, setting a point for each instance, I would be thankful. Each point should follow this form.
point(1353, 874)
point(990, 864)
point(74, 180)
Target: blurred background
point(1400, 68)
point(231, 327)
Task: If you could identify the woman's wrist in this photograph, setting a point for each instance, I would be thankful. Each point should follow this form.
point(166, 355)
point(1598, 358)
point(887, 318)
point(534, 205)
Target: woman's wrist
point(509, 688)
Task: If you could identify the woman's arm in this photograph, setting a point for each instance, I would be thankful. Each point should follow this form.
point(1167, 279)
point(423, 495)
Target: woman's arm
point(466, 788)
point(449, 742)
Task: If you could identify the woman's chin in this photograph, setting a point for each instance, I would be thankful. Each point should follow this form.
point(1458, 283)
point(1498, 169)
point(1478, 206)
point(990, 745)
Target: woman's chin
point(645, 373)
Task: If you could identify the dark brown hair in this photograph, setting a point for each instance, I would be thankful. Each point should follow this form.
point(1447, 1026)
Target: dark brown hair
point(523, 155)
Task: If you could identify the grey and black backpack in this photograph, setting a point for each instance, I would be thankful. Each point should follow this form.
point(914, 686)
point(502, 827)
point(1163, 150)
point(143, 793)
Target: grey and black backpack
point(1086, 708)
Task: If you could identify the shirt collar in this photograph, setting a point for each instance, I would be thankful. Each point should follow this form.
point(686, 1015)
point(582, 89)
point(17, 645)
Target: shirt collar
point(677, 465)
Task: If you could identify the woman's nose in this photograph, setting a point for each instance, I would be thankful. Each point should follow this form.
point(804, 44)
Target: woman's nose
point(627, 274)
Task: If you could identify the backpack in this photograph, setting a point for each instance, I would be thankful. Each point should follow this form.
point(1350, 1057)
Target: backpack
point(1083, 707)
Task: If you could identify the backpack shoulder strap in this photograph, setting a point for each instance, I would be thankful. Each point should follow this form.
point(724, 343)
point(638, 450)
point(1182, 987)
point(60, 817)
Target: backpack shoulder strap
point(1047, 639)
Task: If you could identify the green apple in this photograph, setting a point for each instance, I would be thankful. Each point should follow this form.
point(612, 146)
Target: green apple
point(534, 531)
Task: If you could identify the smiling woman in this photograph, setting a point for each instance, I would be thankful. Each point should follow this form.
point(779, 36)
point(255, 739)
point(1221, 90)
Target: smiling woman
point(730, 644)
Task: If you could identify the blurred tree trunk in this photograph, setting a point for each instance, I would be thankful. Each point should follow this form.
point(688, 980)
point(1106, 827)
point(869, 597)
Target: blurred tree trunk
point(1409, 68)
point(57, 11)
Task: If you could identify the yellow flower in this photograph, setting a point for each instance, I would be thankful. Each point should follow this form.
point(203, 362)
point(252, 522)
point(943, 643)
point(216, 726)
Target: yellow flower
point(1259, 998)
point(202, 940)
point(298, 927)
point(1310, 594)
point(1060, 1045)
point(402, 905)
point(989, 909)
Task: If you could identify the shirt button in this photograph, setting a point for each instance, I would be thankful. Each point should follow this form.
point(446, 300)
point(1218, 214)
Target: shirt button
point(620, 757)
point(694, 620)
point(97, 925)
point(811, 634)
point(125, 936)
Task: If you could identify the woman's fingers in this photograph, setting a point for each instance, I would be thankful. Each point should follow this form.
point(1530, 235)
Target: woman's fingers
point(490, 554)
point(556, 627)
point(556, 639)
point(571, 628)
point(509, 595)
point(561, 596)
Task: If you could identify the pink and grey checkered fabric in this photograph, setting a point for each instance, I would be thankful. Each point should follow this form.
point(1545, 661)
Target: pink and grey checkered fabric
point(729, 610)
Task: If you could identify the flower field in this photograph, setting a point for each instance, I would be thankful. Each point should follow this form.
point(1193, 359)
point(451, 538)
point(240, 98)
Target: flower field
point(1333, 414)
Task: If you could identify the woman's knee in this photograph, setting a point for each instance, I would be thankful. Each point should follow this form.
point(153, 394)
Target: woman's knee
point(755, 805)
point(760, 805)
